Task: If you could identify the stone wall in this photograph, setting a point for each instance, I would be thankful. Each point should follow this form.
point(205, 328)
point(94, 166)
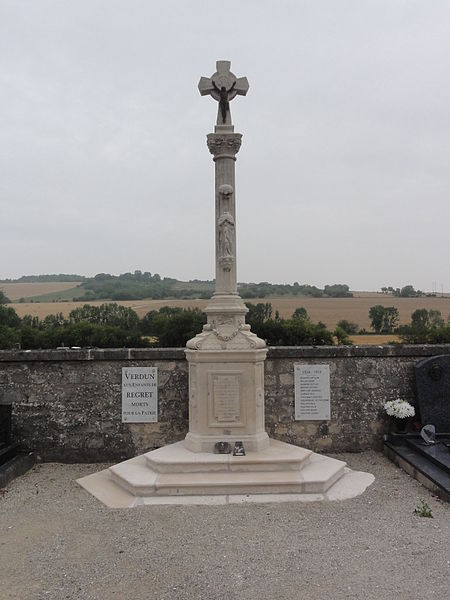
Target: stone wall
point(67, 403)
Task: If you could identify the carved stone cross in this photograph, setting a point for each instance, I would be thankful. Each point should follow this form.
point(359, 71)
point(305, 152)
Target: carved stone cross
point(223, 86)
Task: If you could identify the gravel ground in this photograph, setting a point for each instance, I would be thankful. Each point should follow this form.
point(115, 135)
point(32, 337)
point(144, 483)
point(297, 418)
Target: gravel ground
point(58, 542)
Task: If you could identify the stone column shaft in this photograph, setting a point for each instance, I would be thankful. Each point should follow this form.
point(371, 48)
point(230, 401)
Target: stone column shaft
point(224, 146)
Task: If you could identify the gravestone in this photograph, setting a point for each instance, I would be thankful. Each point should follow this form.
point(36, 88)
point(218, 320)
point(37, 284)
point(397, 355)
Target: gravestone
point(5, 425)
point(433, 391)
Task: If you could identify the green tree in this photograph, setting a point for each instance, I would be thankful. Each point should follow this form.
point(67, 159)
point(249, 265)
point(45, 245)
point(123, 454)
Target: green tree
point(9, 317)
point(146, 323)
point(420, 318)
point(408, 291)
point(435, 318)
point(426, 327)
point(301, 313)
point(80, 334)
point(106, 314)
point(9, 337)
point(175, 326)
point(376, 314)
point(342, 337)
point(338, 290)
point(384, 319)
point(31, 321)
point(56, 320)
point(3, 299)
point(293, 332)
point(349, 327)
point(258, 313)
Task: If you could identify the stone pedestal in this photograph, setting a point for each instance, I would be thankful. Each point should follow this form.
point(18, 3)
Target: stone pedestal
point(226, 398)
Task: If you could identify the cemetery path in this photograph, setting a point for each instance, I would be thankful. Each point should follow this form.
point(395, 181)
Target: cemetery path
point(58, 542)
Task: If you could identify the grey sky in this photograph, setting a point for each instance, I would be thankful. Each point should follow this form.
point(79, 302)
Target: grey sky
point(343, 174)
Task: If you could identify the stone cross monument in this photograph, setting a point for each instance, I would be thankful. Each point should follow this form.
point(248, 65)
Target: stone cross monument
point(226, 360)
point(226, 387)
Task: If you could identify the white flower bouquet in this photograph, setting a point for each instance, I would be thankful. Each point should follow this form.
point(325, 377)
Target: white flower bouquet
point(400, 409)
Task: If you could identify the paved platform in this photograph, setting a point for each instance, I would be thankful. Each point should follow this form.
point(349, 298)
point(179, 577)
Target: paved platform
point(175, 475)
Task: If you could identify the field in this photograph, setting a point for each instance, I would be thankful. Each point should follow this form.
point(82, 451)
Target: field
point(374, 340)
point(15, 291)
point(327, 310)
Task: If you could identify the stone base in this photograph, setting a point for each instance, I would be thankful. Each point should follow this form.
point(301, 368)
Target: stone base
point(175, 475)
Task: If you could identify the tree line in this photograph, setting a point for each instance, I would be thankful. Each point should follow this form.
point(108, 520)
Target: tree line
point(113, 325)
point(406, 291)
point(425, 327)
point(143, 284)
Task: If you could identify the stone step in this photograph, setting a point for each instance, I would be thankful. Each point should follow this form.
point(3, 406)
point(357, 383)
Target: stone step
point(175, 458)
point(316, 476)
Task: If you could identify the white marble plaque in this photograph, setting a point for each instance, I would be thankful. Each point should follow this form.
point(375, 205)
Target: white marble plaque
point(312, 392)
point(139, 395)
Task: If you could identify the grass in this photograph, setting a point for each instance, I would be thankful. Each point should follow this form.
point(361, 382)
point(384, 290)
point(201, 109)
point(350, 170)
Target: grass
point(423, 510)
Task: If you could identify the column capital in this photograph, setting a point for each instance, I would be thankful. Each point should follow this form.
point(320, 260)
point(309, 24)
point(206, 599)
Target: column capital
point(224, 144)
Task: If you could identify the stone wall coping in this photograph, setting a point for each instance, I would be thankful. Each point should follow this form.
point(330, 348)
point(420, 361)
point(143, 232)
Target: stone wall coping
point(275, 352)
point(357, 351)
point(90, 354)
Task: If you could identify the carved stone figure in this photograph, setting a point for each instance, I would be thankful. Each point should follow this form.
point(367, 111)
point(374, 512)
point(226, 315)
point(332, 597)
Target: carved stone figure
point(224, 103)
point(226, 237)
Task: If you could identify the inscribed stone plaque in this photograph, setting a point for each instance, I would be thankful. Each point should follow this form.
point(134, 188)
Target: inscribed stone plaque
point(139, 395)
point(312, 392)
point(226, 398)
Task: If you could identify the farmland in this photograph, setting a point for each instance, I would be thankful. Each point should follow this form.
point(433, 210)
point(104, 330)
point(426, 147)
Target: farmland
point(327, 310)
point(15, 291)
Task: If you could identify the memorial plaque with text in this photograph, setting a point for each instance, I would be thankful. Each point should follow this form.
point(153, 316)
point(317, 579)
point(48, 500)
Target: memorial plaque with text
point(139, 395)
point(226, 398)
point(312, 392)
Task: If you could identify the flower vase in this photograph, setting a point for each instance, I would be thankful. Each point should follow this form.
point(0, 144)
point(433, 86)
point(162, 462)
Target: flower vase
point(400, 425)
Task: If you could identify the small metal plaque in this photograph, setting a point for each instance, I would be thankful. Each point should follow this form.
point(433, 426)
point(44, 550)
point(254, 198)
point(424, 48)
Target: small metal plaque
point(222, 448)
point(238, 449)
